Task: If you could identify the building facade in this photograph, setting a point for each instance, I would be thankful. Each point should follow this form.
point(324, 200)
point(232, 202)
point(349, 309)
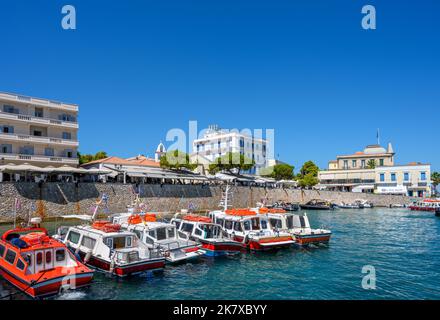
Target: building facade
point(217, 142)
point(37, 131)
point(357, 173)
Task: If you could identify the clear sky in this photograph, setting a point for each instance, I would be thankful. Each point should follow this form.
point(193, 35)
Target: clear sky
point(304, 68)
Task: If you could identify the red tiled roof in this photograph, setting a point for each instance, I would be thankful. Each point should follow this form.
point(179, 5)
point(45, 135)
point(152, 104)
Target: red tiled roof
point(131, 161)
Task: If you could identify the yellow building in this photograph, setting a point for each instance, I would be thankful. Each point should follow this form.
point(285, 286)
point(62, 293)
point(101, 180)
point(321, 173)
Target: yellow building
point(357, 173)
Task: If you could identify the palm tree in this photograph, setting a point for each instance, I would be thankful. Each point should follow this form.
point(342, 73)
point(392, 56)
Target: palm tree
point(435, 178)
point(371, 164)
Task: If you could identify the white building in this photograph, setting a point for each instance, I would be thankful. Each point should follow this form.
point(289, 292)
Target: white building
point(37, 131)
point(217, 142)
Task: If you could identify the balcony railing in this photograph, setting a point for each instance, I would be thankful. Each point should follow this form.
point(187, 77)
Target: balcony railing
point(38, 139)
point(38, 102)
point(39, 120)
point(5, 157)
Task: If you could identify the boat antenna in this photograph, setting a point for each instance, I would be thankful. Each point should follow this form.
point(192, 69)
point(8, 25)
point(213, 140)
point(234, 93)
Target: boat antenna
point(224, 202)
point(378, 137)
point(104, 200)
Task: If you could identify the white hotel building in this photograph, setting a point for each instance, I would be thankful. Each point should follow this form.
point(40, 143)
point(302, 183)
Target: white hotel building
point(218, 142)
point(37, 131)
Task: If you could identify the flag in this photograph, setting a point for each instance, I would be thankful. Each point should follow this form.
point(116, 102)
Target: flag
point(17, 204)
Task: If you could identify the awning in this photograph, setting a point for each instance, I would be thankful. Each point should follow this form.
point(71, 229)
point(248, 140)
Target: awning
point(392, 190)
point(362, 187)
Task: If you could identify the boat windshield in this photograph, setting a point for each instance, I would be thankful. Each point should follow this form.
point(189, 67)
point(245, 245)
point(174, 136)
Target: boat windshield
point(275, 223)
point(289, 220)
point(161, 233)
point(255, 224)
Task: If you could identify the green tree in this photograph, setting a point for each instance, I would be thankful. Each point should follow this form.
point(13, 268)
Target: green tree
point(371, 164)
point(100, 155)
point(279, 172)
point(229, 162)
point(85, 158)
point(309, 167)
point(435, 178)
point(176, 160)
point(309, 180)
point(308, 175)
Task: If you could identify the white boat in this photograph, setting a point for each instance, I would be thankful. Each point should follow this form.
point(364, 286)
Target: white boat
point(162, 235)
point(362, 203)
point(251, 229)
point(344, 205)
point(215, 242)
point(299, 227)
point(105, 247)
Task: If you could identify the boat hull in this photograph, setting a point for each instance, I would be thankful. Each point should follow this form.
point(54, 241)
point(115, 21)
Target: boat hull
point(312, 239)
point(269, 243)
point(221, 249)
point(47, 287)
point(414, 208)
point(127, 269)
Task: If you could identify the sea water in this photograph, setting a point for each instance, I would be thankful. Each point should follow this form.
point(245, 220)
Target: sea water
point(401, 246)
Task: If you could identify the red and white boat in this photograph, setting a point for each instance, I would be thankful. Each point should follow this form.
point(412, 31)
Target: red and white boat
point(215, 242)
point(299, 227)
point(251, 229)
point(162, 235)
point(38, 264)
point(105, 247)
point(432, 205)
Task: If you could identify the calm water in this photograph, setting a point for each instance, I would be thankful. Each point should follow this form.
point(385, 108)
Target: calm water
point(403, 247)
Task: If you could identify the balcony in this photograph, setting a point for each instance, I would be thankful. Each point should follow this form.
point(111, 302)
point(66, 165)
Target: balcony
point(38, 139)
point(5, 157)
point(10, 97)
point(38, 120)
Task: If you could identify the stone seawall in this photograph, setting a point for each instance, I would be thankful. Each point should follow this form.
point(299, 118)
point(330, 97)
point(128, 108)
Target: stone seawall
point(54, 199)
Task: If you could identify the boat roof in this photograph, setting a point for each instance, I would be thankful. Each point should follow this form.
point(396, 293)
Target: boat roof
point(28, 235)
point(88, 228)
point(152, 225)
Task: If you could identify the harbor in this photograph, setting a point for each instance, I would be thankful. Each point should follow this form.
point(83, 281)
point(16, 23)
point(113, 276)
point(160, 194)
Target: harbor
point(385, 238)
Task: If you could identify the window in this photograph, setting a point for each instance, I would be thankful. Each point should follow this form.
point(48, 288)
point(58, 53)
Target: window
point(187, 227)
point(7, 129)
point(2, 250)
point(289, 222)
point(10, 109)
point(161, 233)
point(198, 232)
point(89, 242)
point(60, 255)
point(38, 133)
point(48, 257)
point(263, 224)
point(20, 264)
point(39, 112)
point(129, 242)
point(228, 224)
point(275, 223)
point(382, 177)
point(219, 221)
point(39, 258)
point(10, 256)
point(247, 225)
point(381, 162)
point(49, 152)
point(177, 223)
point(345, 164)
point(255, 224)
point(423, 175)
point(393, 176)
point(73, 237)
point(406, 176)
point(118, 242)
point(363, 163)
point(28, 259)
point(67, 136)
point(6, 148)
point(171, 232)
point(354, 163)
point(237, 226)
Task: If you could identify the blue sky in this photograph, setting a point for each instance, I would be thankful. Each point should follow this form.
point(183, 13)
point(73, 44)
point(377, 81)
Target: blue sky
point(304, 68)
